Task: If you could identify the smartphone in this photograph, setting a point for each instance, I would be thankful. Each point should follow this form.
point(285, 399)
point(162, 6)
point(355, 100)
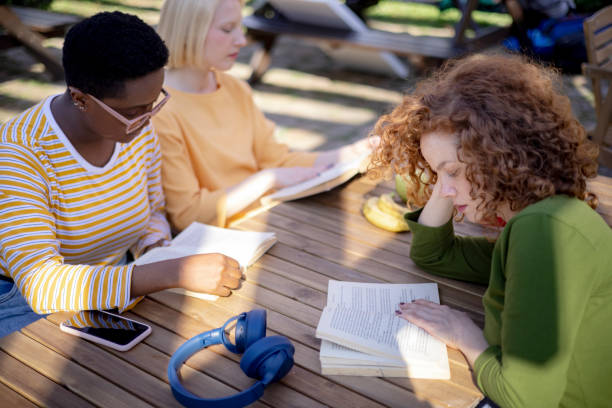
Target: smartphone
point(106, 328)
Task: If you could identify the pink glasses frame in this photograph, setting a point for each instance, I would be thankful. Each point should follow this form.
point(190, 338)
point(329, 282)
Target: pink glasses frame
point(133, 124)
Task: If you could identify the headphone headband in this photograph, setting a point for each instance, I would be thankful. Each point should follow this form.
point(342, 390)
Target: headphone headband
point(267, 359)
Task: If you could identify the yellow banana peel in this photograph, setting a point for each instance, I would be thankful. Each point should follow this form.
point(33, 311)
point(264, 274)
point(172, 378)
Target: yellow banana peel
point(382, 219)
point(387, 204)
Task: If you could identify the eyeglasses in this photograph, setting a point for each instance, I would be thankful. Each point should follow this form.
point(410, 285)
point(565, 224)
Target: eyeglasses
point(133, 124)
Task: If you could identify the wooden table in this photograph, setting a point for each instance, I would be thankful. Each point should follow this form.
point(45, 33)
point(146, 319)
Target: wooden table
point(319, 238)
point(29, 27)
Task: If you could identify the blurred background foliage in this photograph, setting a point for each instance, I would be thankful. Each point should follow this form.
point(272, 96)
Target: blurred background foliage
point(389, 11)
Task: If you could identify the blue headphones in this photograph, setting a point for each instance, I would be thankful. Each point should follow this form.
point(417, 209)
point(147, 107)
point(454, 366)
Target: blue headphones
point(267, 359)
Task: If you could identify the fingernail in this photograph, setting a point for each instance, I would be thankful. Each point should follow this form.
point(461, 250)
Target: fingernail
point(397, 312)
point(402, 303)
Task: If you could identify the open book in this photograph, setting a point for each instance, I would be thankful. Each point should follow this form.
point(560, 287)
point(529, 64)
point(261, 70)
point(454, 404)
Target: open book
point(246, 247)
point(363, 336)
point(328, 179)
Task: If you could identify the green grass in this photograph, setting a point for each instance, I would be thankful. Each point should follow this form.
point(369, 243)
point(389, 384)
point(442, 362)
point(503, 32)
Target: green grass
point(148, 10)
point(397, 12)
point(419, 14)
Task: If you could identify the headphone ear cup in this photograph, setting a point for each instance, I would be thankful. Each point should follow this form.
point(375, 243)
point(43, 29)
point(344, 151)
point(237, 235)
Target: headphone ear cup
point(268, 359)
point(254, 328)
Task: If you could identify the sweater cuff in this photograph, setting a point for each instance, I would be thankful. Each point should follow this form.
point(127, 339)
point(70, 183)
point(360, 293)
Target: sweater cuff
point(485, 359)
point(128, 302)
point(425, 239)
point(413, 216)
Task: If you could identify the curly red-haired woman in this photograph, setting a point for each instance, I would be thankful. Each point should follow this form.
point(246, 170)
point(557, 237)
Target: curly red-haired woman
point(501, 147)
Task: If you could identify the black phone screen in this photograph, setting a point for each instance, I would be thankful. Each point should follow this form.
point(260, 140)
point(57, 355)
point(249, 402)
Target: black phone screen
point(106, 326)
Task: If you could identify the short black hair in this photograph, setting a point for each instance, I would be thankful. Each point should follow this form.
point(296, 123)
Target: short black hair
point(103, 51)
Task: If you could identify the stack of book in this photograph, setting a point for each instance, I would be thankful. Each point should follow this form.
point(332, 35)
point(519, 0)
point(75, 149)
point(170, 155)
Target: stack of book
point(361, 335)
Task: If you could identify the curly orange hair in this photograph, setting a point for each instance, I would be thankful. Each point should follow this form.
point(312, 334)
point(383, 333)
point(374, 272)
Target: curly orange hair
point(516, 133)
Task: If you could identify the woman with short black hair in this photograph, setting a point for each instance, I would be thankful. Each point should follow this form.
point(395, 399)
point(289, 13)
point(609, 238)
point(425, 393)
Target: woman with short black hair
point(80, 184)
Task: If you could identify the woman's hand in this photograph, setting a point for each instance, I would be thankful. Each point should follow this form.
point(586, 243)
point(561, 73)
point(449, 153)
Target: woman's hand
point(209, 273)
point(451, 326)
point(348, 152)
point(359, 148)
point(438, 209)
point(288, 176)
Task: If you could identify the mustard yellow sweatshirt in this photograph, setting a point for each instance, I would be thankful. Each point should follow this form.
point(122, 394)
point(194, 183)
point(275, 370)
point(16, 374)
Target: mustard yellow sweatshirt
point(211, 142)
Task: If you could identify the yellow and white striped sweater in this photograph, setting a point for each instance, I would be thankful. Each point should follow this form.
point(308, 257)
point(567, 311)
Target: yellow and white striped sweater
point(65, 223)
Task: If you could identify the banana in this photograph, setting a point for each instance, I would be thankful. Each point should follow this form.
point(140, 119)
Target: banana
point(387, 204)
point(381, 219)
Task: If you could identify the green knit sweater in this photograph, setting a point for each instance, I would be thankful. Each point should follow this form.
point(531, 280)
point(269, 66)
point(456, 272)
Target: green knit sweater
point(548, 306)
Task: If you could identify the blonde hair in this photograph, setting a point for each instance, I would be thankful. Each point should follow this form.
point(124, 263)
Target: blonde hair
point(183, 25)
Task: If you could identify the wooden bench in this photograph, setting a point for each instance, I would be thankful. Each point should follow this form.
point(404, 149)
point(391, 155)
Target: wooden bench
point(265, 25)
point(28, 27)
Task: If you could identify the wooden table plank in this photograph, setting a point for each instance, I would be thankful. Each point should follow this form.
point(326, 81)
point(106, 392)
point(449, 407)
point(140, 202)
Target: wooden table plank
point(27, 384)
point(378, 253)
point(293, 272)
point(319, 215)
point(261, 277)
point(138, 370)
point(404, 270)
point(355, 249)
point(44, 21)
point(10, 398)
point(31, 40)
point(76, 378)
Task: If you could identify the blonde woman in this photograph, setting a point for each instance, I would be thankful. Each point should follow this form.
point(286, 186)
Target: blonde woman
point(219, 152)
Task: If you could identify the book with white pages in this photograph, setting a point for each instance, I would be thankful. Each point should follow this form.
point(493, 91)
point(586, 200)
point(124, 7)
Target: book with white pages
point(339, 360)
point(246, 247)
point(328, 179)
point(371, 340)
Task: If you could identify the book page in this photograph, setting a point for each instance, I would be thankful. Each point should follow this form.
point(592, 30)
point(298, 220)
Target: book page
point(346, 169)
point(333, 353)
point(378, 297)
point(162, 254)
point(416, 370)
point(244, 246)
point(362, 317)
